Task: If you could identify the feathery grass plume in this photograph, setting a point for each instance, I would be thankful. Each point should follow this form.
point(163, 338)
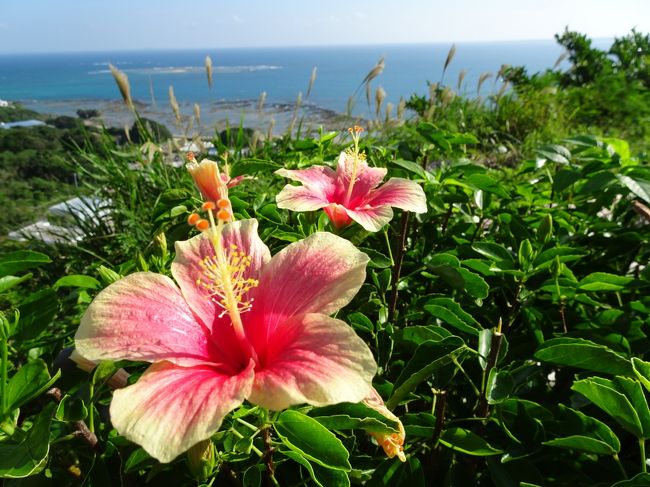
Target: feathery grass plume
point(428, 115)
point(450, 58)
point(447, 96)
point(260, 103)
point(294, 118)
point(372, 74)
point(461, 78)
point(197, 113)
point(482, 79)
point(122, 81)
point(350, 106)
point(311, 81)
point(208, 70)
point(389, 111)
point(269, 133)
point(153, 98)
point(127, 133)
point(401, 107)
point(433, 92)
point(562, 57)
point(174, 104)
point(380, 96)
point(501, 91)
point(502, 71)
point(255, 139)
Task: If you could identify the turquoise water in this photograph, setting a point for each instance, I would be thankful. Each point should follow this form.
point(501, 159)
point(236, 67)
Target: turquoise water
point(61, 83)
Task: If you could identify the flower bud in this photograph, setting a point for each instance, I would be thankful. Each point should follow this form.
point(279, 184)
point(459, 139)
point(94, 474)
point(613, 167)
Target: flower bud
point(201, 459)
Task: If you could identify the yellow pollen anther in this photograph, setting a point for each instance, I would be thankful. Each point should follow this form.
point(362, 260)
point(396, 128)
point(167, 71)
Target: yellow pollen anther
point(236, 265)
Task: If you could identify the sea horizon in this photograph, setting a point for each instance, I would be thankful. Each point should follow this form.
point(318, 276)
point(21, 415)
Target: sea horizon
point(62, 83)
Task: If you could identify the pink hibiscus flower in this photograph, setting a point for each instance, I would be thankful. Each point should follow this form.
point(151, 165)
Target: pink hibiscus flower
point(239, 325)
point(350, 193)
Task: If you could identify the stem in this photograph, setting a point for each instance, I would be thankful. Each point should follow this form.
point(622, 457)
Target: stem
point(644, 467)
point(4, 360)
point(620, 466)
point(440, 398)
point(397, 269)
point(268, 457)
point(390, 252)
point(483, 408)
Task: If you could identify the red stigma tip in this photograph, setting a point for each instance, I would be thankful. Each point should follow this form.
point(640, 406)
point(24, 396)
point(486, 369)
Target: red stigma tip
point(223, 203)
point(203, 225)
point(208, 205)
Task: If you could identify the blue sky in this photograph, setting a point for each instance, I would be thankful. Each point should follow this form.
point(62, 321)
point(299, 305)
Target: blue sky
point(90, 25)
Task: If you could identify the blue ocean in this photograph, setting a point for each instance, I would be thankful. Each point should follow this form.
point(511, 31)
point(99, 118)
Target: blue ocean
point(63, 83)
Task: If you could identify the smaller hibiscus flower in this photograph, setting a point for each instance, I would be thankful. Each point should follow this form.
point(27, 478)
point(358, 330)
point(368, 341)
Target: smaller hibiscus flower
point(351, 193)
point(212, 182)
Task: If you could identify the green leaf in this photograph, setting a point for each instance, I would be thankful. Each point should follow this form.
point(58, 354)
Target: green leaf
point(7, 282)
point(323, 477)
point(353, 416)
point(642, 371)
point(640, 187)
point(77, 280)
point(474, 285)
point(31, 380)
point(36, 312)
point(377, 259)
point(487, 184)
point(603, 394)
point(428, 357)
point(602, 281)
point(71, 408)
point(465, 441)
point(21, 260)
point(582, 443)
point(252, 166)
point(583, 354)
point(138, 460)
point(450, 312)
point(575, 424)
point(30, 455)
point(499, 386)
point(309, 438)
point(639, 480)
point(493, 251)
point(634, 392)
point(563, 253)
point(412, 167)
point(412, 336)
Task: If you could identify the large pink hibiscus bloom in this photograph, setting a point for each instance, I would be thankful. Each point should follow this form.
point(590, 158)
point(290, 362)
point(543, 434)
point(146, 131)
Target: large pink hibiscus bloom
point(284, 350)
point(350, 193)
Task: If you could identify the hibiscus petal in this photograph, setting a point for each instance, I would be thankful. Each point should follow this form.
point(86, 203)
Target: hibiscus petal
point(313, 359)
point(399, 193)
point(172, 408)
point(187, 270)
point(367, 177)
point(300, 198)
point(393, 444)
point(317, 177)
point(372, 218)
point(142, 317)
point(319, 274)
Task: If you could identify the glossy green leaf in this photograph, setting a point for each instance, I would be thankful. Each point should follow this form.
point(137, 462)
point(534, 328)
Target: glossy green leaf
point(28, 457)
point(77, 280)
point(21, 260)
point(463, 440)
point(8, 282)
point(428, 357)
point(602, 281)
point(603, 394)
point(309, 438)
point(583, 354)
point(30, 381)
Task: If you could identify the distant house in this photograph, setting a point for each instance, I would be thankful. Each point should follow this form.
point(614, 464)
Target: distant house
point(4, 103)
point(68, 214)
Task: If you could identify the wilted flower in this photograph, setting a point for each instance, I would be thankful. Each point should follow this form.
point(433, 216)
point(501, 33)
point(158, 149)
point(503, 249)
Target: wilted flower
point(350, 193)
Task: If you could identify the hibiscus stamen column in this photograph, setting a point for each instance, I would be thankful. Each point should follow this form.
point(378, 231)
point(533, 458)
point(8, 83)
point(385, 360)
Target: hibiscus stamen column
point(356, 134)
point(224, 273)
